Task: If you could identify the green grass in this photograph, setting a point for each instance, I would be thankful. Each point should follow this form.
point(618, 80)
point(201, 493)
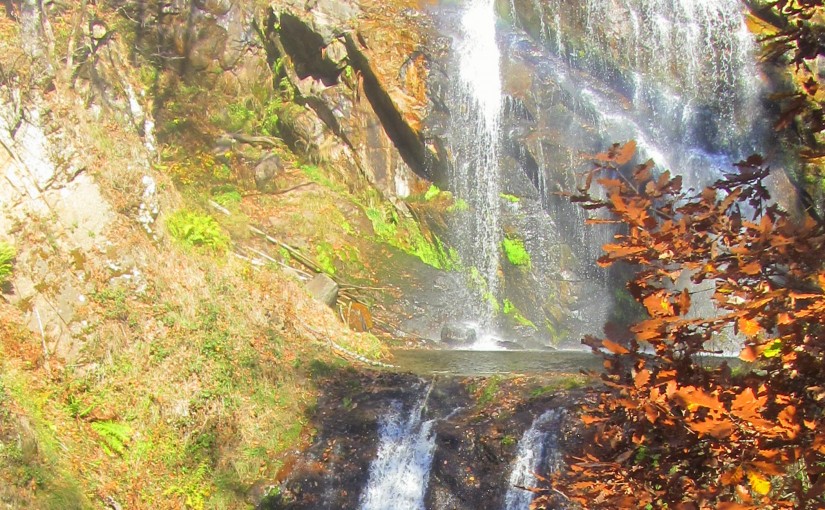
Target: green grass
point(227, 196)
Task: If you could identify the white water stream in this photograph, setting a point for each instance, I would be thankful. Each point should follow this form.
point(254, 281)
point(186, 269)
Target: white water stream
point(475, 134)
point(401, 470)
point(537, 451)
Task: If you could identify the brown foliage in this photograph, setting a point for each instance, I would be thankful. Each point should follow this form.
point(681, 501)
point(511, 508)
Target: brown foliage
point(667, 429)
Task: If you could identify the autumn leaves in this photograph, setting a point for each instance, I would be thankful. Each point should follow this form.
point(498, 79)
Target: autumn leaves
point(669, 431)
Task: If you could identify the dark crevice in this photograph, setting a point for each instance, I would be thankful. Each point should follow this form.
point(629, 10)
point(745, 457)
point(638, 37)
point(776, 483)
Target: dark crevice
point(305, 48)
point(411, 146)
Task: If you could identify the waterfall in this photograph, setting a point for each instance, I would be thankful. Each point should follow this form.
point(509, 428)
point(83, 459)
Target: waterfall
point(537, 450)
point(688, 67)
point(475, 133)
point(400, 473)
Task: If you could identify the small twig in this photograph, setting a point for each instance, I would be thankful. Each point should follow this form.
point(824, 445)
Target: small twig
point(220, 208)
point(293, 188)
point(360, 287)
point(302, 274)
point(43, 340)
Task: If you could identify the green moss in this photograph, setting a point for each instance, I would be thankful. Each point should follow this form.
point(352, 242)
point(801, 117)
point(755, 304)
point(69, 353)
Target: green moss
point(406, 235)
point(515, 251)
point(316, 174)
point(384, 222)
point(325, 257)
point(491, 299)
point(510, 309)
point(489, 391)
point(510, 198)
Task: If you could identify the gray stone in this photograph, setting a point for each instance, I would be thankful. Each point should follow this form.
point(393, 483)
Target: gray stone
point(324, 289)
point(208, 46)
point(266, 171)
point(216, 7)
point(336, 51)
point(456, 333)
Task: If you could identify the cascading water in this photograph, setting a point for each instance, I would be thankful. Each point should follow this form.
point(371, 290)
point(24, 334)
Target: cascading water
point(687, 67)
point(537, 451)
point(475, 135)
point(400, 473)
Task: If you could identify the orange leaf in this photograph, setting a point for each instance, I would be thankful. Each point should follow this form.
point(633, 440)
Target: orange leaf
point(587, 419)
point(625, 153)
point(658, 305)
point(642, 378)
point(692, 397)
point(614, 347)
point(717, 429)
point(748, 354)
point(749, 327)
point(746, 406)
point(684, 302)
point(751, 269)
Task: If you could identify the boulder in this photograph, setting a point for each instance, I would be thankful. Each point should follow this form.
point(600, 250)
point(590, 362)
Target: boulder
point(456, 333)
point(266, 171)
point(324, 289)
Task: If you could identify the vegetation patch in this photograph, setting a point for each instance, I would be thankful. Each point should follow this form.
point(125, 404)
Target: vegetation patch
point(406, 235)
point(198, 230)
point(459, 205)
point(431, 193)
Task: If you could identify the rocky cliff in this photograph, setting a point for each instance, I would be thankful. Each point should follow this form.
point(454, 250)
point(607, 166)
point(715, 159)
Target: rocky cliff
point(174, 173)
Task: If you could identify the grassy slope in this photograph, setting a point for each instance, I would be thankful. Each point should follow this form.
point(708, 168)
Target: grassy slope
point(184, 394)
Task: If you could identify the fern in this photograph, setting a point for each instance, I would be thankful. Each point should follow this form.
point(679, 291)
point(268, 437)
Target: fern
point(113, 436)
point(196, 229)
point(7, 254)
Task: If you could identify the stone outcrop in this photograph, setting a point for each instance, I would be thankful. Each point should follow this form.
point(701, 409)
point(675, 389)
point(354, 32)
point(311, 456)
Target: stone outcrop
point(358, 67)
point(324, 289)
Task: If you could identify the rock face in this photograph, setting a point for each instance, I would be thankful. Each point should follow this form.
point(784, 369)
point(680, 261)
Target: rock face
point(324, 289)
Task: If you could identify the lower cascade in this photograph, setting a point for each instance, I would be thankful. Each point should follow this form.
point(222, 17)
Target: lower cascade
point(537, 451)
point(400, 472)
